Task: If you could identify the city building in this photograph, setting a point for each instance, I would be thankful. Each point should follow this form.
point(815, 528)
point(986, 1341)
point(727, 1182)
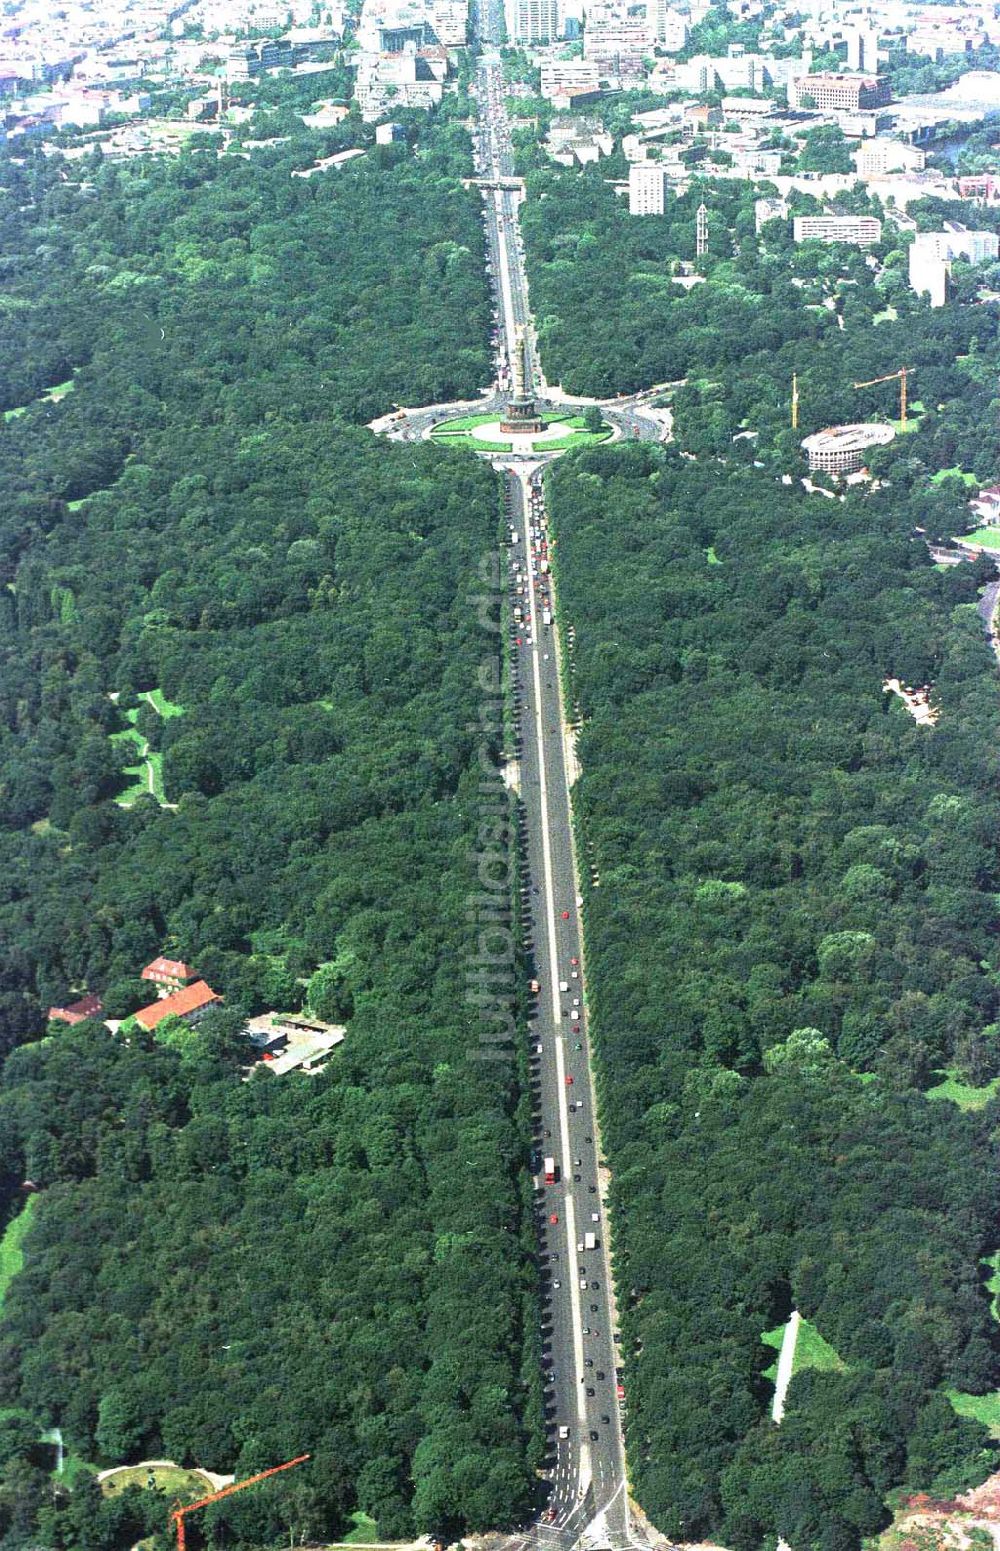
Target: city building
point(564, 79)
point(765, 210)
point(984, 187)
point(532, 21)
point(881, 155)
point(862, 49)
point(848, 93)
point(574, 142)
point(753, 108)
point(861, 231)
point(844, 449)
point(619, 46)
point(931, 255)
point(671, 28)
point(647, 188)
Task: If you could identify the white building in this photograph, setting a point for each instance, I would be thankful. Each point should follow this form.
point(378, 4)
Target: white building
point(858, 230)
point(862, 49)
point(647, 189)
point(931, 255)
point(671, 28)
point(564, 79)
point(618, 44)
point(765, 210)
point(882, 154)
point(532, 21)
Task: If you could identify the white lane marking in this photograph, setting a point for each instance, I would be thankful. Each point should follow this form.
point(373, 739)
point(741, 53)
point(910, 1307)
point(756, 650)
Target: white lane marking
point(569, 1212)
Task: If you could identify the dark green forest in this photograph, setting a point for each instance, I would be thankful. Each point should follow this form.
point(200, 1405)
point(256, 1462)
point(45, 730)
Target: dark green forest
point(234, 1273)
point(795, 928)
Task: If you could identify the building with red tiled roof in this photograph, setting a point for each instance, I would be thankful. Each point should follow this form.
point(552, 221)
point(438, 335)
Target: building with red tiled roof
point(75, 1012)
point(172, 973)
point(189, 1003)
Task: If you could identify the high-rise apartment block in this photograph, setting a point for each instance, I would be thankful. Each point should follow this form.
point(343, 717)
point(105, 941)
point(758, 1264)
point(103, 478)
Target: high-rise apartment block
point(647, 189)
point(532, 21)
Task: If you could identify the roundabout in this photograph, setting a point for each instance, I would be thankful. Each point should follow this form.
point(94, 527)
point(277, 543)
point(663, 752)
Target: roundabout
point(487, 433)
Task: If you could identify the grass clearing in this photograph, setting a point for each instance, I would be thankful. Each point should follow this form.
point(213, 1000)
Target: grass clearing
point(962, 1093)
point(164, 707)
point(147, 774)
point(955, 472)
point(170, 1479)
point(365, 1529)
point(811, 1351)
point(11, 1251)
point(983, 1408)
point(711, 556)
point(989, 538)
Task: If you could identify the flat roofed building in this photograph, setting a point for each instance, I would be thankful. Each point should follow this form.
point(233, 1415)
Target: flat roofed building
point(532, 21)
point(861, 231)
point(882, 154)
point(647, 188)
point(564, 79)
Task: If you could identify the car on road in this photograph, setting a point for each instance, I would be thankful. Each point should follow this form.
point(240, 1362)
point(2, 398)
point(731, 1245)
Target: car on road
point(593, 1433)
point(606, 1419)
point(569, 1080)
point(553, 1217)
point(599, 1374)
point(590, 1390)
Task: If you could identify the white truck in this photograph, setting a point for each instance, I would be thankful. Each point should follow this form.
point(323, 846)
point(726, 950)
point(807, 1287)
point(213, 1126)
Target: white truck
point(589, 1241)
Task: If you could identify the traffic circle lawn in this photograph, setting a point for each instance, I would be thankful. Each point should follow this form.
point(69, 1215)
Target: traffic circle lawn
point(484, 433)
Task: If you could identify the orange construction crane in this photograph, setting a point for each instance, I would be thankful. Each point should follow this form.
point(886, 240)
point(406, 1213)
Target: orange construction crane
point(902, 374)
point(180, 1514)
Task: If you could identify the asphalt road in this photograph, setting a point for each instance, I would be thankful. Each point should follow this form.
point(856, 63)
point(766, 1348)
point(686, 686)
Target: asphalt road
point(580, 1352)
point(583, 1416)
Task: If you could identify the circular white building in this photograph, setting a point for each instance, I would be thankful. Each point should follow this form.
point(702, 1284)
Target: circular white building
point(843, 449)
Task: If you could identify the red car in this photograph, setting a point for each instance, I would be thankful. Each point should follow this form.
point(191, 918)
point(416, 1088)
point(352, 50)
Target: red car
point(554, 1218)
point(569, 1081)
point(565, 915)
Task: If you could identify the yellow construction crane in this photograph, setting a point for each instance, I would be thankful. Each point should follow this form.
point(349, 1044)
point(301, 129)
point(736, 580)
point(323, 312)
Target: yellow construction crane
point(902, 374)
